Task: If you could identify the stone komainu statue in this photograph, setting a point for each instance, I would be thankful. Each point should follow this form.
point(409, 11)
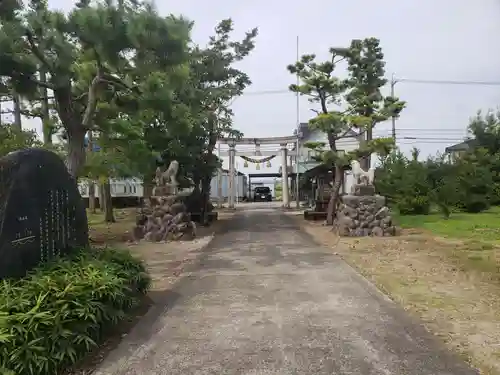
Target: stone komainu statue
point(168, 179)
point(361, 176)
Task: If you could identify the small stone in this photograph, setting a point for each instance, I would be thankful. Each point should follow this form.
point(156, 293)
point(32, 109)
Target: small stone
point(345, 221)
point(382, 213)
point(177, 208)
point(378, 232)
point(138, 232)
point(387, 220)
point(358, 232)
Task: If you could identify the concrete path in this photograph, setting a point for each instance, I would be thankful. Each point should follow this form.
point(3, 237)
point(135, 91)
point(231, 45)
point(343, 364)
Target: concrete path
point(266, 300)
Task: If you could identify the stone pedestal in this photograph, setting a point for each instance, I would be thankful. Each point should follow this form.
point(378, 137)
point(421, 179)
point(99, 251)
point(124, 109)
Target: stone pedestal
point(363, 190)
point(364, 214)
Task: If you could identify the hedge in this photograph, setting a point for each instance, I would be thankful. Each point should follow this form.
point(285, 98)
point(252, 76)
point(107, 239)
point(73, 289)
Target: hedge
point(58, 313)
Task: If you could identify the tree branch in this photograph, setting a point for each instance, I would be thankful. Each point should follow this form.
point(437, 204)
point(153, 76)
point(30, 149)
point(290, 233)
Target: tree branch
point(36, 51)
point(92, 101)
point(33, 80)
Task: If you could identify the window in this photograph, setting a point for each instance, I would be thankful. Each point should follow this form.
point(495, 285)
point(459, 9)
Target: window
point(313, 154)
point(262, 190)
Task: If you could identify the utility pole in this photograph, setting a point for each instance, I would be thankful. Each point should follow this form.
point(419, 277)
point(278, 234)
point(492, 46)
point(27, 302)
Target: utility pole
point(393, 83)
point(46, 125)
point(219, 179)
point(297, 154)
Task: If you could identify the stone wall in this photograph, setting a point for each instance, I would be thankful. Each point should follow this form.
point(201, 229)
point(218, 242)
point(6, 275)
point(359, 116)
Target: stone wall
point(364, 216)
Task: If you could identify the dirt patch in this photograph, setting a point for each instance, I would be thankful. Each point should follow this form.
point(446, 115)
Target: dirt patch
point(436, 280)
point(166, 262)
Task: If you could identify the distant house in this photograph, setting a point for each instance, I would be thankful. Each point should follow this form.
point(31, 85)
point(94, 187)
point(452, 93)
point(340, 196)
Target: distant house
point(306, 155)
point(459, 149)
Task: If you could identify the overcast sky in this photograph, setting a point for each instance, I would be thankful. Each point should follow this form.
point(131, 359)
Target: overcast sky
point(421, 39)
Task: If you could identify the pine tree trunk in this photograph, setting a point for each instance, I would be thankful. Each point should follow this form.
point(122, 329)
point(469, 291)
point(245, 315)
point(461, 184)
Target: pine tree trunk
point(365, 162)
point(92, 198)
point(109, 216)
point(205, 197)
point(334, 196)
point(101, 197)
point(76, 152)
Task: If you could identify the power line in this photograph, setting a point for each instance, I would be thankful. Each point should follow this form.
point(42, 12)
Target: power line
point(432, 138)
point(426, 143)
point(402, 80)
point(424, 138)
point(6, 98)
point(433, 130)
point(447, 82)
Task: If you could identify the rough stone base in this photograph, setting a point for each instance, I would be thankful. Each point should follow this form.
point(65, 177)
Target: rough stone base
point(163, 191)
point(164, 219)
point(363, 190)
point(364, 216)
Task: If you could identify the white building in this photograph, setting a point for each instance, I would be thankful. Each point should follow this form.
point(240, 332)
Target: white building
point(131, 189)
point(306, 156)
point(241, 186)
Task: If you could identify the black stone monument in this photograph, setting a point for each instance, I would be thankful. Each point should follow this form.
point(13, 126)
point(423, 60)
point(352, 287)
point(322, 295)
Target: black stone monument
point(42, 215)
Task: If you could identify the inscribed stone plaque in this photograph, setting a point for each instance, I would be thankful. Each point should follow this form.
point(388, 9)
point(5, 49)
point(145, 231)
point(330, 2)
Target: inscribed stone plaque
point(42, 215)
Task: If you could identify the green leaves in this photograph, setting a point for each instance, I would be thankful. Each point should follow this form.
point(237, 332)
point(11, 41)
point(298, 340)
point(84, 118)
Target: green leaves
point(99, 52)
point(128, 74)
point(334, 122)
point(413, 186)
point(57, 314)
point(359, 103)
point(13, 139)
point(485, 128)
point(366, 69)
point(317, 80)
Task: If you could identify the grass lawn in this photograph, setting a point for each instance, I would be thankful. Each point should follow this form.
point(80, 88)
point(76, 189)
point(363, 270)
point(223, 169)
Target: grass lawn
point(484, 226)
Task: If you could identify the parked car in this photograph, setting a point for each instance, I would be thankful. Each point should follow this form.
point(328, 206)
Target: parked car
point(262, 193)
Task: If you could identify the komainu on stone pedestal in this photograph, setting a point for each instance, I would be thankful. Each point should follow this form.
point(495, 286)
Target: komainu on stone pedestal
point(364, 216)
point(363, 213)
point(165, 217)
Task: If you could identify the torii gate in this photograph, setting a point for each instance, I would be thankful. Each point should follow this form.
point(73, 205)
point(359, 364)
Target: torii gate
point(283, 142)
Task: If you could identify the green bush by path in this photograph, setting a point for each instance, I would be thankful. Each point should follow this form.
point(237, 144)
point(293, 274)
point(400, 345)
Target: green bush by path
point(58, 313)
point(413, 187)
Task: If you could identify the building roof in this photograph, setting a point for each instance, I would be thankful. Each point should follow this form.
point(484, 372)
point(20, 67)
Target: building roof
point(306, 131)
point(226, 171)
point(464, 146)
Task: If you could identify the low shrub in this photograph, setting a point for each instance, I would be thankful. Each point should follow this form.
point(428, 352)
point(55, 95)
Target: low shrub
point(409, 205)
point(475, 203)
point(53, 317)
